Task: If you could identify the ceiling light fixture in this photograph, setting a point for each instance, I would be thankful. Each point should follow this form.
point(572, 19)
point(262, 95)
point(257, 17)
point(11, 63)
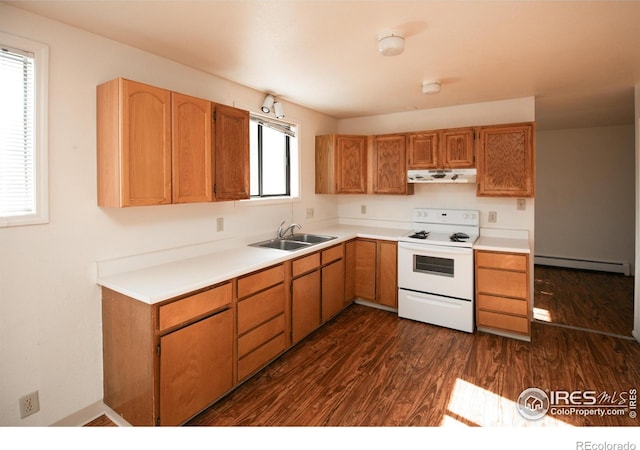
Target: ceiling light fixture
point(279, 110)
point(267, 104)
point(390, 43)
point(430, 87)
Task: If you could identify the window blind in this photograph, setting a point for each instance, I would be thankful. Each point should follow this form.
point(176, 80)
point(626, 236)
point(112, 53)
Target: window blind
point(17, 146)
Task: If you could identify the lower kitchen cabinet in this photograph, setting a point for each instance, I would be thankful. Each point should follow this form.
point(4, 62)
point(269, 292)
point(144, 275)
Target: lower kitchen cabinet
point(502, 293)
point(196, 367)
point(333, 281)
point(376, 273)
point(163, 363)
point(262, 319)
point(305, 303)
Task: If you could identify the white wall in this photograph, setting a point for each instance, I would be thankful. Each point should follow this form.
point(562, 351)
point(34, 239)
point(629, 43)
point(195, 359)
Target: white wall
point(585, 194)
point(50, 319)
point(398, 208)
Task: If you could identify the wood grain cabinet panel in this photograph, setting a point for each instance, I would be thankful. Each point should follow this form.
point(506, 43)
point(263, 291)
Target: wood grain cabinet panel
point(133, 144)
point(192, 155)
point(333, 300)
point(389, 172)
point(231, 139)
point(376, 278)
point(196, 367)
point(423, 150)
point(502, 293)
point(305, 305)
point(341, 164)
point(178, 312)
point(458, 148)
point(506, 161)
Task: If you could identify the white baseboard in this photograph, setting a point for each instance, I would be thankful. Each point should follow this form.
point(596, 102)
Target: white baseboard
point(602, 266)
point(91, 412)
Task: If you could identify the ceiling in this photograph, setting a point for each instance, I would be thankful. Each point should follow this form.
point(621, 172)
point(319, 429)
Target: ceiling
point(579, 59)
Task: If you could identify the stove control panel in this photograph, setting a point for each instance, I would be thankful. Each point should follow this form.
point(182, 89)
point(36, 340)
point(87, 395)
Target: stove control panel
point(447, 216)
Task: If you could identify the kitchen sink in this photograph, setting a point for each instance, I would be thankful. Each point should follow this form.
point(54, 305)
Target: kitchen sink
point(310, 238)
point(294, 242)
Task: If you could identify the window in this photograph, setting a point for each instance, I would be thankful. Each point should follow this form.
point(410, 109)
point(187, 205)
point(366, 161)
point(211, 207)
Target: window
point(273, 158)
point(23, 87)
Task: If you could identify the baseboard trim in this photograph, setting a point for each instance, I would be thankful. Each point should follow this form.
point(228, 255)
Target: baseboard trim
point(574, 263)
point(91, 412)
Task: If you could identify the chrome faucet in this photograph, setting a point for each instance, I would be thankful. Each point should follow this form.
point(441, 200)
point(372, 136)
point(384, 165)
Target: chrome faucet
point(282, 232)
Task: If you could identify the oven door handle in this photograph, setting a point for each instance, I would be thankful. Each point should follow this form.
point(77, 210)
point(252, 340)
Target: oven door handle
point(431, 249)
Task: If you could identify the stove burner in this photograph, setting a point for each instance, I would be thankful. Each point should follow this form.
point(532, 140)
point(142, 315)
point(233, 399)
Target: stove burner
point(420, 235)
point(459, 237)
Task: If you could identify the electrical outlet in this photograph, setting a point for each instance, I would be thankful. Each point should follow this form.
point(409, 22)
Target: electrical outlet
point(220, 224)
point(521, 204)
point(29, 404)
point(493, 217)
point(363, 209)
point(309, 213)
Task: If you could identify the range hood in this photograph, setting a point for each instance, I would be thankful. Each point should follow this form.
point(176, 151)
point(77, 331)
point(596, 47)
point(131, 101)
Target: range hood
point(442, 176)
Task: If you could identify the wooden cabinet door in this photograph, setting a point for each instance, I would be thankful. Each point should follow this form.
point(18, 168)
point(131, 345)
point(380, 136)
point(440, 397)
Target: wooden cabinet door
point(196, 367)
point(351, 164)
point(423, 151)
point(458, 150)
point(390, 164)
point(231, 139)
point(506, 165)
point(366, 269)
point(145, 144)
point(305, 305)
point(387, 274)
point(350, 271)
point(332, 289)
point(191, 149)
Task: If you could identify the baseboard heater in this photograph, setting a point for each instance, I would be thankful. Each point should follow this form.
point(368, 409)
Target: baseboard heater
point(572, 263)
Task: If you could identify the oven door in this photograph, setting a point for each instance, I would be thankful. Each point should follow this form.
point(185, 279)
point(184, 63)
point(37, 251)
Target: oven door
point(436, 269)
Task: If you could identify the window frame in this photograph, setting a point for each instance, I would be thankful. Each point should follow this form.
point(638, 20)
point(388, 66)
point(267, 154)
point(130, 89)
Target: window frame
point(40, 130)
point(292, 173)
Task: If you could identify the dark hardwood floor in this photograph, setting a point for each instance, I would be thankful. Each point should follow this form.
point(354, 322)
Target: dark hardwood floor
point(367, 367)
point(584, 299)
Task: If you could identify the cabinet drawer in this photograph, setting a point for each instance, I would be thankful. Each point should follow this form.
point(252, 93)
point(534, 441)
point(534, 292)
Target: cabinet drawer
point(332, 254)
point(508, 261)
point(305, 264)
point(505, 322)
point(502, 304)
point(502, 283)
point(260, 280)
point(260, 356)
point(180, 311)
point(260, 335)
point(260, 308)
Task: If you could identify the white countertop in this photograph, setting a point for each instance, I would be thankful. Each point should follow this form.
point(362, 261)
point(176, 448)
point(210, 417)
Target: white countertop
point(161, 282)
point(515, 241)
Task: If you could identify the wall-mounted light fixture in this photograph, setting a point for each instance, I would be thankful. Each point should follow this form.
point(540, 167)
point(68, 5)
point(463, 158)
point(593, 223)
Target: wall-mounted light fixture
point(267, 104)
point(279, 110)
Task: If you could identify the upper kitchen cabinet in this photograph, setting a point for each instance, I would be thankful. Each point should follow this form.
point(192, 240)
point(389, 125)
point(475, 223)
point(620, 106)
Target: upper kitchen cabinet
point(389, 172)
point(157, 147)
point(192, 163)
point(423, 151)
point(134, 144)
point(506, 164)
point(441, 149)
point(457, 148)
point(341, 164)
point(231, 137)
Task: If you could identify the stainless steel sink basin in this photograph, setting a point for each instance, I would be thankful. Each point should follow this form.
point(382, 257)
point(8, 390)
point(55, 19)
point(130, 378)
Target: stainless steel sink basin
point(310, 238)
point(295, 242)
point(281, 244)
